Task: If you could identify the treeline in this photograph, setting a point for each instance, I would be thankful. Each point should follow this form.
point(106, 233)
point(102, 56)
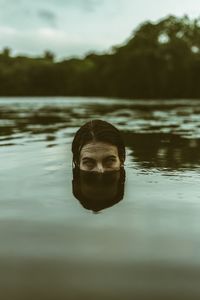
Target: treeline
point(160, 60)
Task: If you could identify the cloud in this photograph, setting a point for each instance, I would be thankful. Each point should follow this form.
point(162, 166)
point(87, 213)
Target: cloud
point(90, 5)
point(33, 14)
point(48, 17)
point(35, 42)
point(84, 5)
point(70, 27)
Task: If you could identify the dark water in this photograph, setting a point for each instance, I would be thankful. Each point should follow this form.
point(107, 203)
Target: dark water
point(143, 247)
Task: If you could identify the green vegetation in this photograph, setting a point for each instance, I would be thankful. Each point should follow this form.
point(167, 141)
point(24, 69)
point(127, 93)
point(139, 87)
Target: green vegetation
point(160, 60)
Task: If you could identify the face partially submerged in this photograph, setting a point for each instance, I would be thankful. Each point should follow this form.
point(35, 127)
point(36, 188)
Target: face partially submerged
point(99, 157)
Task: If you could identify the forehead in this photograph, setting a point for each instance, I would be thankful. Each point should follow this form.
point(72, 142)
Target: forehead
point(95, 149)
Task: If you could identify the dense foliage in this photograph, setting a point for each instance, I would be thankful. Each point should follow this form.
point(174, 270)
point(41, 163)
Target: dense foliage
point(160, 60)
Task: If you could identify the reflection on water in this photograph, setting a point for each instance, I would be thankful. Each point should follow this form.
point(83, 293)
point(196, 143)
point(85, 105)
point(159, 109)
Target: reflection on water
point(144, 247)
point(164, 151)
point(97, 191)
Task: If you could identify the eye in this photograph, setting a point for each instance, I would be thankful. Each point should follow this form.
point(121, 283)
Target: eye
point(88, 163)
point(110, 160)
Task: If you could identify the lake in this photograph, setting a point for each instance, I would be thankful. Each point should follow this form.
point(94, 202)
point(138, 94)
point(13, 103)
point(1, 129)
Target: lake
point(146, 246)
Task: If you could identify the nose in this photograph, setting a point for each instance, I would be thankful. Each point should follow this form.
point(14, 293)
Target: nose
point(100, 168)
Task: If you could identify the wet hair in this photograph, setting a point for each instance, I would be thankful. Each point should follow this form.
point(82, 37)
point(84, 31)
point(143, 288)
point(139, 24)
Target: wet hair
point(99, 131)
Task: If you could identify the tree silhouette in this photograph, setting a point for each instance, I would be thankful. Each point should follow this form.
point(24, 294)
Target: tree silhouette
point(159, 60)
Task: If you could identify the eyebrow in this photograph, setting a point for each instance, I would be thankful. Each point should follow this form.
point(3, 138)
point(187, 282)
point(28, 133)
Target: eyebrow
point(110, 156)
point(105, 158)
point(88, 158)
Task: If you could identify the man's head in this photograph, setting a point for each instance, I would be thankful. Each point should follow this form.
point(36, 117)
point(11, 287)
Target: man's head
point(98, 147)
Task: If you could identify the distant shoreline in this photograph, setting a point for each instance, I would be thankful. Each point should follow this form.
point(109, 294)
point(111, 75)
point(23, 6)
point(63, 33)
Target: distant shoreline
point(160, 61)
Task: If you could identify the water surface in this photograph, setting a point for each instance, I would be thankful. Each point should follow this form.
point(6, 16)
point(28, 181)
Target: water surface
point(144, 246)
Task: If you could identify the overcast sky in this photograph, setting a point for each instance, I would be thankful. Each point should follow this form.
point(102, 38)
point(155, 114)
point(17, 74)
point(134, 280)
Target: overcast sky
point(76, 27)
